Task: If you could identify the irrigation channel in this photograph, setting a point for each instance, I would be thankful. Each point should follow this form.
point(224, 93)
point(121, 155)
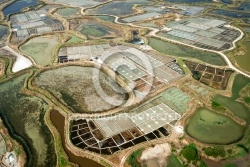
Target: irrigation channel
point(59, 121)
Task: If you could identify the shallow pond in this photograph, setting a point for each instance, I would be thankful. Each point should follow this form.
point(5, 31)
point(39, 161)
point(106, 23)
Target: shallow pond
point(227, 1)
point(210, 127)
point(238, 108)
point(94, 29)
point(244, 6)
point(66, 12)
point(106, 18)
point(232, 14)
point(239, 82)
point(17, 6)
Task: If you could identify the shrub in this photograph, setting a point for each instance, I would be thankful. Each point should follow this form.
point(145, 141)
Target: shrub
point(247, 100)
point(203, 164)
point(190, 152)
point(133, 158)
point(209, 151)
point(229, 151)
point(215, 151)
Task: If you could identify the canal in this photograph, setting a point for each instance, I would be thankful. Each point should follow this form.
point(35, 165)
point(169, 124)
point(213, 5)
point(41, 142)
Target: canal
point(59, 121)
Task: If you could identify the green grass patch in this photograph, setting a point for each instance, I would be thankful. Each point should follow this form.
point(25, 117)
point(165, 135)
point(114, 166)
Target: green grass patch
point(133, 158)
point(75, 39)
point(106, 18)
point(183, 51)
point(230, 165)
point(217, 106)
point(183, 66)
point(173, 161)
point(66, 12)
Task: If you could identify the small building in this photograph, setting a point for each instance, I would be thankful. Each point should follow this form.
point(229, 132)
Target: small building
point(96, 59)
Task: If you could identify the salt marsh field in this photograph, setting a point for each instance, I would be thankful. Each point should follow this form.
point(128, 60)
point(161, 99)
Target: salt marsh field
point(23, 115)
point(148, 121)
point(208, 33)
point(210, 76)
point(88, 82)
point(183, 51)
point(32, 22)
point(40, 49)
point(80, 94)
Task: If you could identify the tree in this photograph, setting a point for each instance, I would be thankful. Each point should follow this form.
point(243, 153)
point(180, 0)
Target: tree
point(190, 152)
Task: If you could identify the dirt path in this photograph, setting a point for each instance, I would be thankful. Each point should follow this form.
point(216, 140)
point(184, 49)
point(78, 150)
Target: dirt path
point(154, 32)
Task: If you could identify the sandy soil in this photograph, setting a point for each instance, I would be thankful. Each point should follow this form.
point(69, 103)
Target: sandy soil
point(21, 61)
point(156, 155)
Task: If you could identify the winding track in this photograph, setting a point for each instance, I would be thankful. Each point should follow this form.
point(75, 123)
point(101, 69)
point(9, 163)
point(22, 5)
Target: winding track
point(154, 32)
point(174, 134)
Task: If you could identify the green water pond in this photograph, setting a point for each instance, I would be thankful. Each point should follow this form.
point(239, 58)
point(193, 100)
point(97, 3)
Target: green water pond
point(209, 127)
point(238, 108)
